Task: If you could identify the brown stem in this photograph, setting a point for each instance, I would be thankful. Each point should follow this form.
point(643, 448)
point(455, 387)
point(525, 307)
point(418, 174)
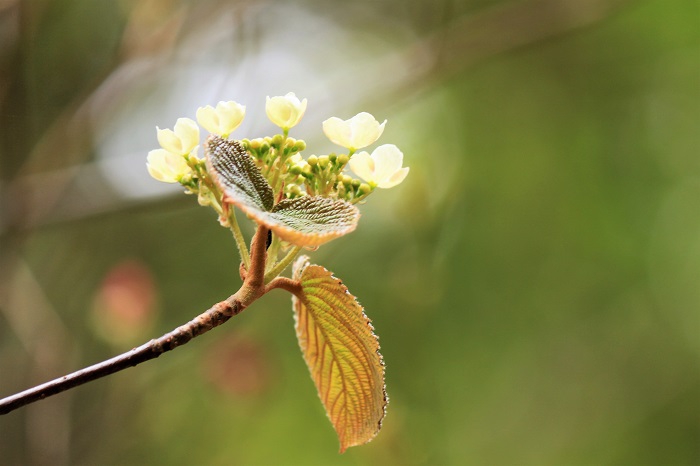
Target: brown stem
point(284, 283)
point(215, 316)
point(252, 289)
point(258, 256)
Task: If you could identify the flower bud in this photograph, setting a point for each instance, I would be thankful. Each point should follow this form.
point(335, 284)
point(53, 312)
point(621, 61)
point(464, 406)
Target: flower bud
point(203, 200)
point(300, 145)
point(277, 140)
point(323, 161)
point(332, 157)
point(312, 160)
point(343, 159)
point(364, 189)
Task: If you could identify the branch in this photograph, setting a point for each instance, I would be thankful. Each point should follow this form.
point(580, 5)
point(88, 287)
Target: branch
point(253, 288)
point(215, 316)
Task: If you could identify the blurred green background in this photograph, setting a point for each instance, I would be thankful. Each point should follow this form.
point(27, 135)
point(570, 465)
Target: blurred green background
point(534, 281)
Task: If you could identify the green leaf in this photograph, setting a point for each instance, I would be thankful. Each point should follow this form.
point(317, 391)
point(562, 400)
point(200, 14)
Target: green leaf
point(311, 221)
point(305, 221)
point(241, 181)
point(342, 353)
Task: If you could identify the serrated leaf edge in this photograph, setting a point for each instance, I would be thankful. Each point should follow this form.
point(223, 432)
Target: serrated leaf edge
point(298, 269)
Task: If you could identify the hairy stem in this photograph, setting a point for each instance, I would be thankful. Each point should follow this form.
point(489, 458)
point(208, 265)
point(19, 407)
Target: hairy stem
point(258, 253)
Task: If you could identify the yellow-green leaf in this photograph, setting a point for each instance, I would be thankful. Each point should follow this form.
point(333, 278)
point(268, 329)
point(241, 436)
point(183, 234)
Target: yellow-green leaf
point(342, 353)
point(305, 221)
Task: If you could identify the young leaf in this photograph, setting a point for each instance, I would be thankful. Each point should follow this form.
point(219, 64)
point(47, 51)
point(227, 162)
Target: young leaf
point(342, 353)
point(305, 221)
point(234, 172)
point(312, 220)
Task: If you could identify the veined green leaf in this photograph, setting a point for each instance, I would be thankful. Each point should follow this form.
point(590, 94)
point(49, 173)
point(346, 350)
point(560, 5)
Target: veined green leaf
point(236, 174)
point(311, 221)
point(305, 221)
point(342, 353)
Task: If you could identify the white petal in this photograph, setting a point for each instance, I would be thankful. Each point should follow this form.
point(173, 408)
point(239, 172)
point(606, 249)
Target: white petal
point(338, 131)
point(302, 108)
point(365, 130)
point(387, 161)
point(395, 179)
point(209, 119)
point(231, 115)
point(188, 132)
point(363, 165)
point(293, 99)
point(298, 113)
point(278, 111)
point(169, 141)
point(166, 166)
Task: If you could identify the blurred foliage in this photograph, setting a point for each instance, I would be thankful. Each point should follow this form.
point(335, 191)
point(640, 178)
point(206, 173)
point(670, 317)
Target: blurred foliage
point(533, 282)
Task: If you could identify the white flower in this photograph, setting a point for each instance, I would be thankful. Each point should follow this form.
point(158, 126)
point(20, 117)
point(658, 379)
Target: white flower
point(285, 111)
point(357, 132)
point(182, 140)
point(165, 166)
point(223, 119)
point(382, 168)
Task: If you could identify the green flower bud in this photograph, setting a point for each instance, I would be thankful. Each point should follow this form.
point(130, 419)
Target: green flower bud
point(294, 189)
point(277, 140)
point(264, 148)
point(255, 144)
point(245, 143)
point(300, 145)
point(332, 157)
point(295, 170)
point(289, 143)
point(347, 180)
point(313, 160)
point(323, 161)
point(364, 188)
point(343, 159)
point(356, 183)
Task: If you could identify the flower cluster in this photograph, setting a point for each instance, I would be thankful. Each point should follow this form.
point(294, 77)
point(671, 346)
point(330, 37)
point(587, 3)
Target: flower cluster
point(279, 157)
point(297, 203)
